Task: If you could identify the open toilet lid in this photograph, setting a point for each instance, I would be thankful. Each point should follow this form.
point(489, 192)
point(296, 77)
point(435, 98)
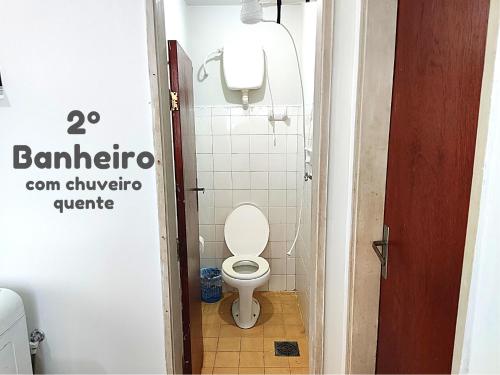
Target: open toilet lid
point(246, 231)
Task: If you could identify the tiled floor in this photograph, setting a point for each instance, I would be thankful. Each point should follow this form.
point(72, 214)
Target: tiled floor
point(232, 350)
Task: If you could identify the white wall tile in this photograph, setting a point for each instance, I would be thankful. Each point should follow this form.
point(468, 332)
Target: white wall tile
point(259, 162)
point(240, 162)
point(206, 198)
point(206, 215)
point(221, 214)
point(291, 144)
point(240, 144)
point(221, 125)
point(277, 144)
point(290, 266)
point(202, 111)
point(259, 180)
point(277, 180)
point(205, 162)
point(277, 283)
point(222, 144)
point(277, 198)
point(277, 215)
point(219, 232)
point(278, 266)
point(222, 162)
point(202, 125)
point(241, 196)
point(222, 180)
point(291, 198)
point(207, 232)
point(206, 180)
point(221, 111)
point(291, 215)
point(277, 162)
point(259, 144)
point(259, 197)
point(241, 180)
point(204, 144)
point(291, 180)
point(278, 249)
point(277, 232)
point(291, 162)
point(223, 198)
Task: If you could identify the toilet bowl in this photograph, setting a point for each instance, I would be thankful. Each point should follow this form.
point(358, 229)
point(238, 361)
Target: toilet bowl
point(246, 233)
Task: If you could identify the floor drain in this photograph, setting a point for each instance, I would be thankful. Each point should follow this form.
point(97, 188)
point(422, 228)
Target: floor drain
point(286, 348)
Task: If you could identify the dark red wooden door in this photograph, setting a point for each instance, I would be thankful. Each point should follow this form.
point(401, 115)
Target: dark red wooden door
point(181, 82)
point(437, 82)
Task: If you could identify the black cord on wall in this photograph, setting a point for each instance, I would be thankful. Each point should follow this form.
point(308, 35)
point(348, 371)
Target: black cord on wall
point(278, 3)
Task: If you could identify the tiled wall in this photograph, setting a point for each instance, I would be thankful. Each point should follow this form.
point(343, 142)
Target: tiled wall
point(304, 255)
point(242, 157)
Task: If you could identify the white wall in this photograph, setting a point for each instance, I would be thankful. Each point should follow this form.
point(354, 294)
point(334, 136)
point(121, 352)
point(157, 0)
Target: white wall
point(208, 28)
point(176, 21)
point(340, 170)
point(90, 280)
point(481, 348)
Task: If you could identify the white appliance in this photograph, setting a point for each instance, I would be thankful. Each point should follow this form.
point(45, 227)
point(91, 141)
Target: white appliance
point(14, 344)
point(243, 65)
point(246, 232)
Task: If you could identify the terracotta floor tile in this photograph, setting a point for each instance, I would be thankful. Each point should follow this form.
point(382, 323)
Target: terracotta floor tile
point(252, 344)
point(211, 330)
point(274, 331)
point(205, 370)
point(251, 370)
point(294, 331)
point(277, 370)
point(210, 344)
point(208, 359)
point(300, 362)
point(290, 308)
point(275, 318)
point(227, 359)
point(211, 319)
point(292, 319)
point(229, 344)
point(256, 331)
point(270, 360)
point(230, 331)
point(271, 308)
point(225, 370)
point(249, 359)
point(269, 343)
point(303, 371)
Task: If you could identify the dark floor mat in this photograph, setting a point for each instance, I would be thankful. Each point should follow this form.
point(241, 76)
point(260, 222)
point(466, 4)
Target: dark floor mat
point(286, 349)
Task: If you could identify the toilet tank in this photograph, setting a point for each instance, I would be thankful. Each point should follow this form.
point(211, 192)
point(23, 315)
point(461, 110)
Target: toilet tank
point(14, 343)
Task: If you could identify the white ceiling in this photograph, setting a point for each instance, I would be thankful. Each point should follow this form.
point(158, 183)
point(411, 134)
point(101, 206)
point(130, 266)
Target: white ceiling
point(234, 2)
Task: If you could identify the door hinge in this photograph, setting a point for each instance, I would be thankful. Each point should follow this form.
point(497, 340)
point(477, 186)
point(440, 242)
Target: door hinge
point(174, 101)
point(383, 255)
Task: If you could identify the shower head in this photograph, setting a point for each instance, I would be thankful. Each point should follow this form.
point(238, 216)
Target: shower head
point(251, 11)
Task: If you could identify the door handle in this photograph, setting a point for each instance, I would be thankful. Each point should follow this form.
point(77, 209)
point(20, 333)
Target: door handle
point(383, 255)
point(199, 189)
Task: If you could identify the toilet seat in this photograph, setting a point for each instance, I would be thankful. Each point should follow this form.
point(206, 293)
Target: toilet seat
point(261, 263)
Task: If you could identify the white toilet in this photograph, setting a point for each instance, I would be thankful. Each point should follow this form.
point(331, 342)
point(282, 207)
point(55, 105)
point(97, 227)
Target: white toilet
point(246, 232)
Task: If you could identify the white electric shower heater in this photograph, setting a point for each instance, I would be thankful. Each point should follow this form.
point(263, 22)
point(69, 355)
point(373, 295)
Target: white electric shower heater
point(251, 13)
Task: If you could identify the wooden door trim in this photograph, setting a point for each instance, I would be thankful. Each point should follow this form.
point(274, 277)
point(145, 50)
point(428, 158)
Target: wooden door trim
point(460, 353)
point(165, 183)
point(376, 67)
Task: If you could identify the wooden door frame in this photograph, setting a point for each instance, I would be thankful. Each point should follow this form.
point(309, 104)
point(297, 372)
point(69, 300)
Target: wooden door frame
point(165, 184)
point(157, 49)
point(370, 165)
